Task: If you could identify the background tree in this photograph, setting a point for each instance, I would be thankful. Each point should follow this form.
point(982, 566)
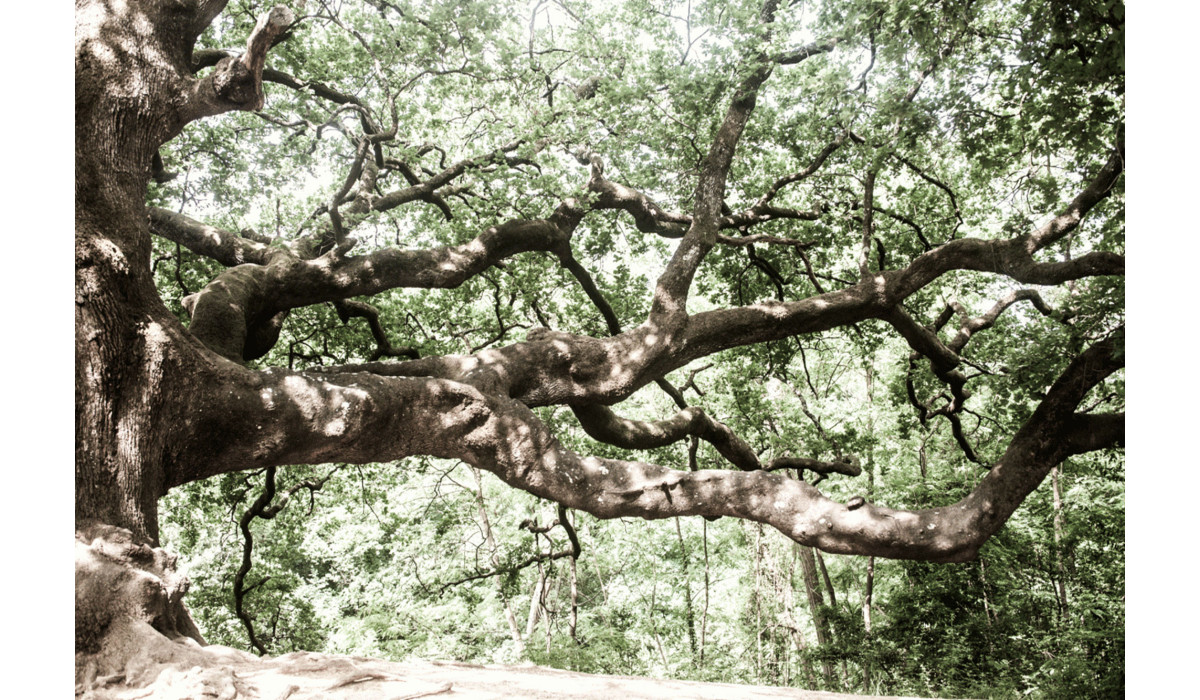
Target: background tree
point(513, 237)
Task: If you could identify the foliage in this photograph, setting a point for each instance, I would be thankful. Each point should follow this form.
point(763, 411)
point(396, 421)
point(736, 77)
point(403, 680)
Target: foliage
point(1024, 104)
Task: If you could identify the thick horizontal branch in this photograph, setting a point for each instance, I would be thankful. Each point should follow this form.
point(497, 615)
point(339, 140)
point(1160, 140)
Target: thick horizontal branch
point(557, 368)
point(225, 247)
point(1014, 257)
point(249, 419)
point(560, 368)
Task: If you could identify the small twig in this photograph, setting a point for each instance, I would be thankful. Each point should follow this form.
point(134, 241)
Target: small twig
point(360, 676)
point(444, 688)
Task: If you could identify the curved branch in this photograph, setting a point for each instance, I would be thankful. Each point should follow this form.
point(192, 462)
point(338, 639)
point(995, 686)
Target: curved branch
point(610, 317)
point(668, 307)
point(348, 309)
point(284, 417)
point(974, 325)
point(936, 183)
point(236, 83)
point(813, 167)
point(602, 424)
point(262, 507)
point(427, 190)
point(1014, 257)
point(239, 578)
point(233, 305)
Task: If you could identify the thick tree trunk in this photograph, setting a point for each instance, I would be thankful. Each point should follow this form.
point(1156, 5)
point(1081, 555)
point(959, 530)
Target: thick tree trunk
point(125, 352)
point(121, 346)
point(134, 363)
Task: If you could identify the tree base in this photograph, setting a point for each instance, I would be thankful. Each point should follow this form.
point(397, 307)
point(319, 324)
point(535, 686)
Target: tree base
point(130, 621)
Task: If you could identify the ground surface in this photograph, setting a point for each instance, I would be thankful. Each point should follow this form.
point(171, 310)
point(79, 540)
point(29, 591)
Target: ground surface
point(307, 676)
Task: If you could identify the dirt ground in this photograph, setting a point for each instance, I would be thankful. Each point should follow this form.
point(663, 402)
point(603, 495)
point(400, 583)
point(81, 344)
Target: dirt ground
point(231, 674)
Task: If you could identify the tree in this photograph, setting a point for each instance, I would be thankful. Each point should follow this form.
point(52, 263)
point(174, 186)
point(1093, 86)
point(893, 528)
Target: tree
point(781, 171)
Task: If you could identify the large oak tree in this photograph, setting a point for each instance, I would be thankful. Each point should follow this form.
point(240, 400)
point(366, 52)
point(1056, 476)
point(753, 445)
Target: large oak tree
point(779, 171)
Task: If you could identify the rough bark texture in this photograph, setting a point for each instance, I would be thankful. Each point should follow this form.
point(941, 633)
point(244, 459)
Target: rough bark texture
point(159, 405)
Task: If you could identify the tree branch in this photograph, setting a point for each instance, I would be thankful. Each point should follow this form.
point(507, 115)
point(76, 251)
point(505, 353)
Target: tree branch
point(236, 83)
point(602, 424)
point(236, 302)
point(278, 417)
point(225, 247)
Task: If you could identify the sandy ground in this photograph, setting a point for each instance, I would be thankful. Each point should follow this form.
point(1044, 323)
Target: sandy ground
point(307, 676)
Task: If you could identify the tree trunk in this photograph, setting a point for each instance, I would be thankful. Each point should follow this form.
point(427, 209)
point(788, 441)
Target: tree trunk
point(574, 621)
point(870, 469)
point(866, 612)
point(535, 602)
point(815, 602)
point(494, 558)
point(704, 611)
point(1060, 568)
point(689, 611)
point(758, 625)
point(130, 352)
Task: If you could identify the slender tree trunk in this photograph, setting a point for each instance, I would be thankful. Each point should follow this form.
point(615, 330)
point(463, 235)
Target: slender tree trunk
point(923, 455)
point(574, 623)
point(662, 654)
point(870, 459)
point(494, 558)
point(535, 602)
point(825, 577)
point(689, 610)
point(600, 580)
point(866, 611)
point(1060, 568)
point(988, 614)
point(812, 587)
point(793, 625)
point(549, 620)
point(704, 612)
point(758, 626)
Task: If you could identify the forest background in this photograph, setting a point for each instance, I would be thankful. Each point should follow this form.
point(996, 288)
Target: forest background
point(681, 549)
